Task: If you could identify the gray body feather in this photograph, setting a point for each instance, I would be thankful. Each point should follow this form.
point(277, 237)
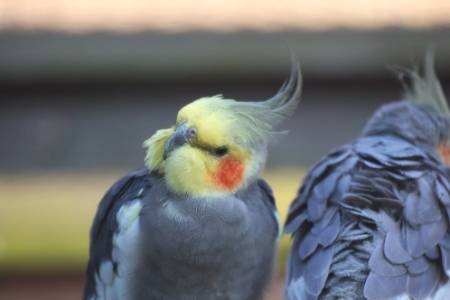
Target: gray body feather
point(186, 248)
point(371, 221)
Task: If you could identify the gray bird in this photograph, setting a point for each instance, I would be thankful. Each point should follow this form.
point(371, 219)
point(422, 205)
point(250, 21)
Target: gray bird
point(371, 220)
point(197, 222)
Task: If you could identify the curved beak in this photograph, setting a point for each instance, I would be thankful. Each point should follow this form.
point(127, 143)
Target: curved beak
point(182, 135)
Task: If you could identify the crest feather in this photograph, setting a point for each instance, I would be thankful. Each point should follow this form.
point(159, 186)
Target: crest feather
point(425, 88)
point(257, 120)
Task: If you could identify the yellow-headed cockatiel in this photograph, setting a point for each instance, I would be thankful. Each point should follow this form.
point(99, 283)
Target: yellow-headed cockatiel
point(196, 222)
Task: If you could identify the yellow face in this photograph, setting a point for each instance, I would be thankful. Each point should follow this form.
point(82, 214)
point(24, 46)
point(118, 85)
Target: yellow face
point(200, 155)
point(217, 145)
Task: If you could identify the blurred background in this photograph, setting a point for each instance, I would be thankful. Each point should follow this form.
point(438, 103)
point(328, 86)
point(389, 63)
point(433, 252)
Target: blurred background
point(84, 82)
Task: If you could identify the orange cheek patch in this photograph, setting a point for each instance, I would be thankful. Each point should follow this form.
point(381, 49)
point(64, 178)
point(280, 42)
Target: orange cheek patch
point(229, 173)
point(444, 152)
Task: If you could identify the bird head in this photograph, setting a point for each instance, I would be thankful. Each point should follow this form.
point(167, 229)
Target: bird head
point(217, 145)
point(423, 118)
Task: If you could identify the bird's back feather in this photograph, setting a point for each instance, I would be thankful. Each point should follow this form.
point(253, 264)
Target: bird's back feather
point(371, 220)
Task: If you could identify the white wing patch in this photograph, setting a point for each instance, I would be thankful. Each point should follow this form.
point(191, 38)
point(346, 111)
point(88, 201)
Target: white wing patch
point(106, 273)
point(128, 214)
point(112, 285)
point(104, 280)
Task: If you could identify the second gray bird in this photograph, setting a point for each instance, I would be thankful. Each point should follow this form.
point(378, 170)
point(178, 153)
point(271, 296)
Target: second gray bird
point(371, 220)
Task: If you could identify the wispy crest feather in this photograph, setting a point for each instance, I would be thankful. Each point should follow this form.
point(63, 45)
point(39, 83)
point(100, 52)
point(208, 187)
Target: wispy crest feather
point(257, 120)
point(425, 88)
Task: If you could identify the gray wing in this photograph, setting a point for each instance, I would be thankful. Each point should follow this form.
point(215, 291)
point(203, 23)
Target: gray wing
point(105, 224)
point(371, 222)
point(412, 244)
point(314, 220)
point(269, 201)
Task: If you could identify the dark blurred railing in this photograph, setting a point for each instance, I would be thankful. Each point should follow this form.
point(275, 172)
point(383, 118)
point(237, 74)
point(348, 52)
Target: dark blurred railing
point(81, 101)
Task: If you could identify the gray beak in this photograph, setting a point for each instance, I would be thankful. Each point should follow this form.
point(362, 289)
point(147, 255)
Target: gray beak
point(183, 134)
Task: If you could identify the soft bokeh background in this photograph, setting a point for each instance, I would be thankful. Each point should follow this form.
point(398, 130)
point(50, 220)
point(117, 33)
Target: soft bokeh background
point(84, 82)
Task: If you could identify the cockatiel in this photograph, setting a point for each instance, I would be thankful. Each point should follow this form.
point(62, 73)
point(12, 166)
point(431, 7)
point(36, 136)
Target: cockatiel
point(197, 222)
point(371, 220)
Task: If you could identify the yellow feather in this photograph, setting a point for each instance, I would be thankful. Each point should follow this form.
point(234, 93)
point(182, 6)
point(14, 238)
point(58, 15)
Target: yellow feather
point(244, 128)
point(187, 172)
point(155, 149)
point(211, 119)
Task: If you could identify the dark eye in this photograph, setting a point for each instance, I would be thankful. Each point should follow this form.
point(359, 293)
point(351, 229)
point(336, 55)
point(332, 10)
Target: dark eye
point(191, 133)
point(220, 151)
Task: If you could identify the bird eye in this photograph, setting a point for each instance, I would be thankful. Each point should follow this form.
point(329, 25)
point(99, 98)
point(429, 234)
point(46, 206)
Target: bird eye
point(220, 151)
point(191, 133)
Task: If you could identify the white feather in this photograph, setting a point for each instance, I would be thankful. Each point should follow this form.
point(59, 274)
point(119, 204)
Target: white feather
point(112, 285)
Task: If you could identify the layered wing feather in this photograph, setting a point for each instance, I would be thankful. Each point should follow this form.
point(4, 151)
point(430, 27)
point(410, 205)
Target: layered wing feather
point(404, 196)
point(315, 221)
point(379, 209)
